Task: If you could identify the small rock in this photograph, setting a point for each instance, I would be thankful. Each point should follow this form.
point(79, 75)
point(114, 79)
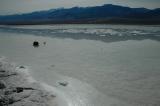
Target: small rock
point(2, 71)
point(22, 67)
point(35, 43)
point(44, 43)
point(2, 85)
point(19, 89)
point(63, 83)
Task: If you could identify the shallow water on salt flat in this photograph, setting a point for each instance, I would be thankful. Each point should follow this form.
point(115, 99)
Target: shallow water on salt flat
point(104, 65)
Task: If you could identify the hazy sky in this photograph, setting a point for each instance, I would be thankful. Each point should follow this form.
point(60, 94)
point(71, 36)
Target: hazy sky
point(23, 6)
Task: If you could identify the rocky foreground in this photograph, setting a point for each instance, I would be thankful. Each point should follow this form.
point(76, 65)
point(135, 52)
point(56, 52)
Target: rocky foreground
point(17, 90)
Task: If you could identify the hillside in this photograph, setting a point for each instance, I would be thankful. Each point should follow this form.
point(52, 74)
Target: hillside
point(112, 14)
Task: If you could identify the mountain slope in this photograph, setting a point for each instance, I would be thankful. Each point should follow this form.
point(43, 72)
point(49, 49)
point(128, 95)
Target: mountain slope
point(99, 14)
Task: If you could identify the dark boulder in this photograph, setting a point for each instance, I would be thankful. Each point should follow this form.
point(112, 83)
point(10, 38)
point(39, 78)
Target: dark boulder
point(35, 43)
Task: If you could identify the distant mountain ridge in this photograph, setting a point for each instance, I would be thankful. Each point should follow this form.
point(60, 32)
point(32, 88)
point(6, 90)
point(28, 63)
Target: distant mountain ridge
point(107, 13)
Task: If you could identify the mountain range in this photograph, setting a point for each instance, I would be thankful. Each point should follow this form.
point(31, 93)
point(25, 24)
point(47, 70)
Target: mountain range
point(105, 14)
